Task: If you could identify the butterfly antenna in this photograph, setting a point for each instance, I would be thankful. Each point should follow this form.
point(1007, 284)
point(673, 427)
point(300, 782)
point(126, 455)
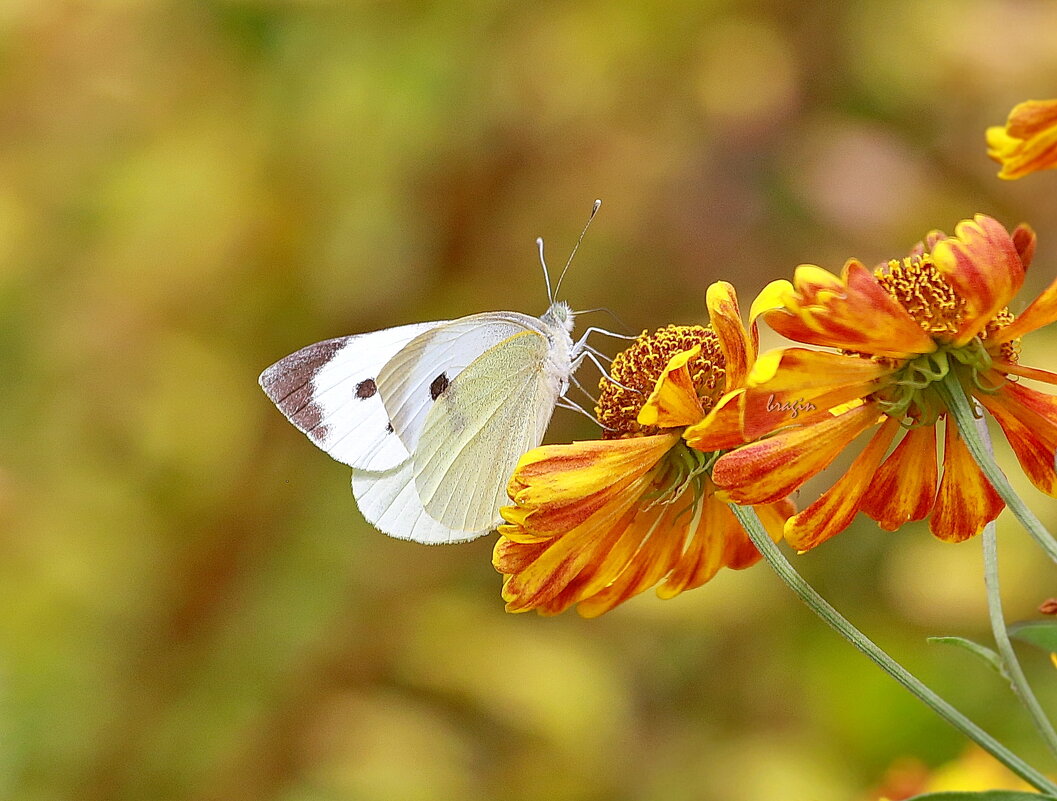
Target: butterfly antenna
point(594, 211)
point(546, 272)
point(610, 312)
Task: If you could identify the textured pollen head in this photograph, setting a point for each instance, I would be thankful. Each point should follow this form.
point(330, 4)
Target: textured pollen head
point(639, 367)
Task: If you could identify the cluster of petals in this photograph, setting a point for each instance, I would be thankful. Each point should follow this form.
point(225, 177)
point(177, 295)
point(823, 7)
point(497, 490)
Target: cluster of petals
point(802, 407)
point(595, 523)
point(1027, 142)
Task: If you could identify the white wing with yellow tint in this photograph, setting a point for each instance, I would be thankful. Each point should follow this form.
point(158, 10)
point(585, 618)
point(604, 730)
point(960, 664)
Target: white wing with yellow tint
point(415, 377)
point(494, 411)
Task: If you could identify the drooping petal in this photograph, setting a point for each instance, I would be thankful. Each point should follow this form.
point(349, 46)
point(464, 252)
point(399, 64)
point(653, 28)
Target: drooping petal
point(550, 566)
point(1029, 420)
point(853, 312)
point(1024, 240)
point(966, 501)
point(836, 508)
point(772, 468)
point(904, 487)
point(739, 349)
point(673, 402)
point(1041, 311)
point(660, 538)
point(981, 263)
point(1028, 142)
point(716, 539)
point(1034, 373)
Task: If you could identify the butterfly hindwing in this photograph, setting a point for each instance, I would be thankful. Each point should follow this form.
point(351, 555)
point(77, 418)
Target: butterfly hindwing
point(489, 415)
point(329, 390)
point(389, 501)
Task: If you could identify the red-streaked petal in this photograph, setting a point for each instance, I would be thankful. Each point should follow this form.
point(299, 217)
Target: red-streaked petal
point(1024, 240)
point(564, 558)
point(772, 468)
point(835, 510)
point(555, 474)
point(1031, 118)
point(1034, 373)
point(1041, 311)
point(739, 350)
point(1029, 420)
point(966, 501)
point(904, 487)
point(673, 402)
point(722, 427)
point(715, 536)
point(660, 542)
point(982, 265)
point(796, 385)
point(853, 312)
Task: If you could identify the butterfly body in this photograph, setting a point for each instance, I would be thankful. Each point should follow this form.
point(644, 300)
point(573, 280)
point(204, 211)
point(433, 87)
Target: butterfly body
point(432, 417)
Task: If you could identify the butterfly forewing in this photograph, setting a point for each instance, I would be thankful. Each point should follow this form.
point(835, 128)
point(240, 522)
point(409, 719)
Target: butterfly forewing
point(415, 377)
point(329, 390)
point(489, 415)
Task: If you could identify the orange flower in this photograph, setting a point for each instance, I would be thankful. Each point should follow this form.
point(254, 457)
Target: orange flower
point(1028, 142)
point(595, 523)
point(899, 331)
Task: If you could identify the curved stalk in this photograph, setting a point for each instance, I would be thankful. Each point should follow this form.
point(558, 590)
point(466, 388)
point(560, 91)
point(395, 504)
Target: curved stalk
point(1017, 680)
point(747, 517)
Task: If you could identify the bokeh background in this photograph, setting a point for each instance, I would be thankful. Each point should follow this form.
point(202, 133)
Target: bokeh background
point(190, 605)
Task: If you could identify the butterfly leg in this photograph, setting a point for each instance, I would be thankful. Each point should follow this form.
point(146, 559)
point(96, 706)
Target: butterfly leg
point(588, 354)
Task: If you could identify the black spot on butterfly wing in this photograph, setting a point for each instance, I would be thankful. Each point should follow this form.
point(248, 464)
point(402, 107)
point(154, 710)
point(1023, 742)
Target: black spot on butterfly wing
point(389, 428)
point(440, 383)
point(288, 383)
point(366, 389)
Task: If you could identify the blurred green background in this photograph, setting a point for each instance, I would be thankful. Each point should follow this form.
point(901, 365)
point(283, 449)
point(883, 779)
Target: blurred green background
point(190, 605)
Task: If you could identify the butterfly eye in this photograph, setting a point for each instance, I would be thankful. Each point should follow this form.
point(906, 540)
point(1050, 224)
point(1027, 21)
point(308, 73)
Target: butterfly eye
point(440, 383)
point(366, 389)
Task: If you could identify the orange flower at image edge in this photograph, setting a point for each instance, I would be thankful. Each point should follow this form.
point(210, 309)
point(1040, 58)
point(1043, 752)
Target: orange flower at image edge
point(1028, 142)
point(899, 331)
point(595, 523)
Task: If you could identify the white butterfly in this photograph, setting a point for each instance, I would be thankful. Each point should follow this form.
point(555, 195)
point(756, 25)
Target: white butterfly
point(433, 417)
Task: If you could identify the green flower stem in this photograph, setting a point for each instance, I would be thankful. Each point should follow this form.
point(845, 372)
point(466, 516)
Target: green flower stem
point(747, 517)
point(1016, 676)
point(1017, 680)
point(958, 405)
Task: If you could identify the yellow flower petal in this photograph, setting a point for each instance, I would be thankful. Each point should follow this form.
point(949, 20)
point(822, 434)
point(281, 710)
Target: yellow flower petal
point(1028, 142)
point(739, 348)
point(673, 402)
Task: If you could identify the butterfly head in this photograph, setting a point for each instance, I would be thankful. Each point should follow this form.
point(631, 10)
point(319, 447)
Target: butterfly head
point(559, 315)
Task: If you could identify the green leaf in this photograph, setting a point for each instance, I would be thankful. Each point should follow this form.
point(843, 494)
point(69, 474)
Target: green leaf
point(1040, 633)
point(982, 651)
point(987, 795)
